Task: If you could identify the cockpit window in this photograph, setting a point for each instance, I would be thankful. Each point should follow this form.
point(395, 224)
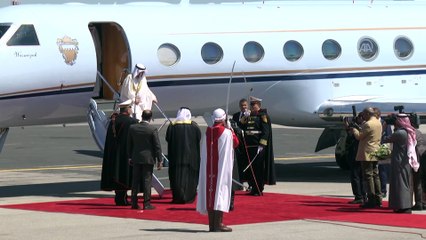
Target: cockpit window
point(24, 36)
point(3, 29)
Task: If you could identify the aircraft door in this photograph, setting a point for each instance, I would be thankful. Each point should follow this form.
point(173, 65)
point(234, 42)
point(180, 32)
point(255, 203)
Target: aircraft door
point(113, 56)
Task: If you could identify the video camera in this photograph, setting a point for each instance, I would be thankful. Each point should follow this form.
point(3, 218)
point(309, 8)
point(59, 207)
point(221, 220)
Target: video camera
point(391, 119)
point(352, 122)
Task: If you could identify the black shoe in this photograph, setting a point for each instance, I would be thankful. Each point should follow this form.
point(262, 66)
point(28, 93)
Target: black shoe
point(254, 193)
point(120, 200)
point(222, 228)
point(417, 207)
point(148, 207)
point(356, 201)
point(368, 205)
point(137, 207)
point(405, 210)
point(122, 203)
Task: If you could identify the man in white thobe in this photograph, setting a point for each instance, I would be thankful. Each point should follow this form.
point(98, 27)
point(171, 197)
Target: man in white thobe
point(135, 88)
point(215, 178)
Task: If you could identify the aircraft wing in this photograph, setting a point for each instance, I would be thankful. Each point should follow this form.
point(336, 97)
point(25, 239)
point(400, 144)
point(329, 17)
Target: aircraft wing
point(334, 110)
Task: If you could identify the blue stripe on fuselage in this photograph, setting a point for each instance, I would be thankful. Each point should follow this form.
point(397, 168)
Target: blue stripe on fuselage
point(235, 79)
point(276, 78)
point(49, 93)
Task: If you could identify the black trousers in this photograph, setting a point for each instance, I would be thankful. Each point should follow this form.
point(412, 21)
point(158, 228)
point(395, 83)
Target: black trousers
point(357, 184)
point(422, 171)
point(417, 188)
point(384, 169)
point(143, 171)
point(257, 170)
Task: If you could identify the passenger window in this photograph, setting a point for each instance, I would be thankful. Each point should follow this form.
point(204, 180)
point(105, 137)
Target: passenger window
point(331, 49)
point(253, 52)
point(211, 53)
point(3, 29)
point(293, 50)
point(403, 48)
point(24, 36)
point(368, 49)
point(168, 54)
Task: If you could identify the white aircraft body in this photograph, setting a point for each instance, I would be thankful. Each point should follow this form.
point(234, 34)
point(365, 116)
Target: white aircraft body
point(310, 62)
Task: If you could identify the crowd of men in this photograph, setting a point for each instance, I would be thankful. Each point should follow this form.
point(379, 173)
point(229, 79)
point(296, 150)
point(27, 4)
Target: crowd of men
point(201, 166)
point(367, 134)
point(210, 167)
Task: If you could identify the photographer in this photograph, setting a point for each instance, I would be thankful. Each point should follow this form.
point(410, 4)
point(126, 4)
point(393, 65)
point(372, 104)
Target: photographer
point(358, 189)
point(369, 137)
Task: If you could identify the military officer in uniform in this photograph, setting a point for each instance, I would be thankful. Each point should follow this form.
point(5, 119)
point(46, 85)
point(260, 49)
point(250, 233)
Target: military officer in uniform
point(116, 172)
point(258, 139)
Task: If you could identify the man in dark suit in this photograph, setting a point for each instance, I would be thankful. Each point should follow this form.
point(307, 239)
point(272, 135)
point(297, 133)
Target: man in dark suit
point(240, 151)
point(144, 150)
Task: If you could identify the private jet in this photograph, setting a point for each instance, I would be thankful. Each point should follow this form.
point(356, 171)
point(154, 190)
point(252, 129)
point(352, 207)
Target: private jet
point(312, 62)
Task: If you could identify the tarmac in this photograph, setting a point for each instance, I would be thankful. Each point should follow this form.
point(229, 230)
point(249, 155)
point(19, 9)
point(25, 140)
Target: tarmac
point(55, 163)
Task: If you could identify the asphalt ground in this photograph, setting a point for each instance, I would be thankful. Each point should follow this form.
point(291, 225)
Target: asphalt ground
point(53, 163)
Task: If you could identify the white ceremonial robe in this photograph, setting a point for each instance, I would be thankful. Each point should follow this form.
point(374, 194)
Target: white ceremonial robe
point(132, 88)
point(215, 179)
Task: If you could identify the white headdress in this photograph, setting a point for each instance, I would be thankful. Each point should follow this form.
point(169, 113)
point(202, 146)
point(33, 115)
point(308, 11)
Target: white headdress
point(139, 68)
point(131, 89)
point(219, 115)
point(184, 114)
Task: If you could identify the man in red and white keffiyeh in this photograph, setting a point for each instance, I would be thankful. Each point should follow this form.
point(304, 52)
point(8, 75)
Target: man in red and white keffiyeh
point(403, 121)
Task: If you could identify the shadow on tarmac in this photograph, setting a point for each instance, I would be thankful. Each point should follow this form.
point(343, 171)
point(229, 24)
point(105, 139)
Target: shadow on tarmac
point(69, 189)
point(92, 153)
point(317, 171)
point(286, 172)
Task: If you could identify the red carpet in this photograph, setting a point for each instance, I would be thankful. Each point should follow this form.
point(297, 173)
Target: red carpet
point(248, 209)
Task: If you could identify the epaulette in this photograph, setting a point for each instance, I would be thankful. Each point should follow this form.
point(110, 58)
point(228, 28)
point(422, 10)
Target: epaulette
point(264, 119)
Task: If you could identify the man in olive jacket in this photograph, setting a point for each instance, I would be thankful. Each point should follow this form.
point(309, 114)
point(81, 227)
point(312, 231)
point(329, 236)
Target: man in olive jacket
point(144, 150)
point(369, 137)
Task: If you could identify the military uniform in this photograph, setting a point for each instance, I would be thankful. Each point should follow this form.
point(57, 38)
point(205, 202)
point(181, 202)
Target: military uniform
point(258, 132)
